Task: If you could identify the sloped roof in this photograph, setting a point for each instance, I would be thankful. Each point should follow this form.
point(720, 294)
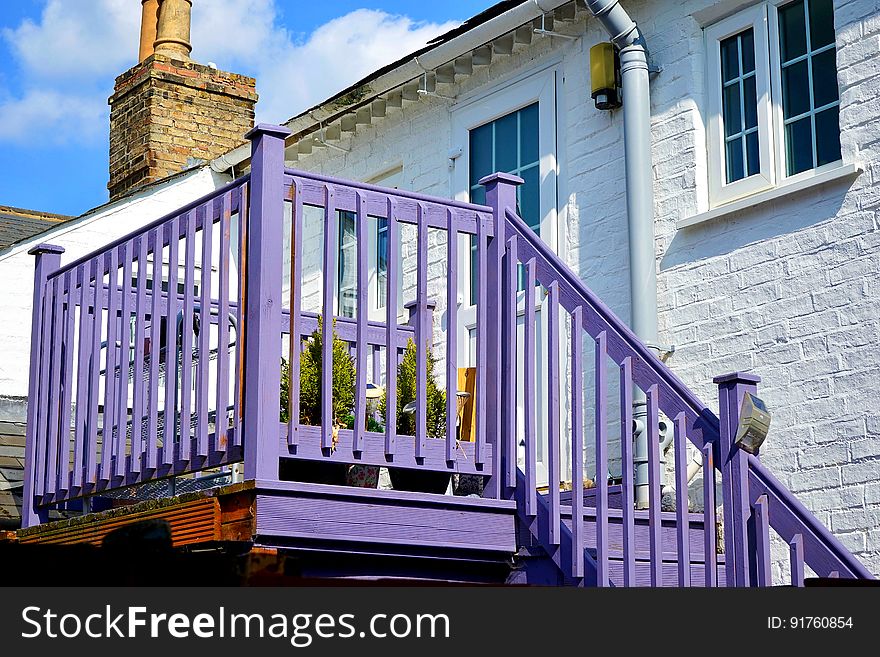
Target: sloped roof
point(17, 224)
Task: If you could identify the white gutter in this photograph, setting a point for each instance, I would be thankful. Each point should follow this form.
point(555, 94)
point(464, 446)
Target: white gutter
point(406, 72)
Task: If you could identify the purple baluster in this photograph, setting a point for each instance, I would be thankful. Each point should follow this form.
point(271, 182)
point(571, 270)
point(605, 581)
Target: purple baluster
point(577, 444)
point(509, 338)
point(96, 299)
point(709, 548)
point(626, 465)
point(530, 393)
point(553, 415)
point(203, 370)
point(360, 401)
point(654, 523)
point(152, 446)
point(171, 352)
point(796, 551)
point(84, 342)
point(682, 524)
point(111, 365)
point(124, 361)
point(331, 222)
point(41, 435)
point(54, 442)
point(295, 343)
point(138, 393)
point(240, 308)
point(762, 541)
point(47, 260)
point(423, 330)
point(451, 334)
point(602, 576)
point(391, 332)
point(186, 339)
point(221, 422)
point(64, 473)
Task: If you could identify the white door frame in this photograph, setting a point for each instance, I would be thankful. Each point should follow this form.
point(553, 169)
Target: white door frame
point(540, 86)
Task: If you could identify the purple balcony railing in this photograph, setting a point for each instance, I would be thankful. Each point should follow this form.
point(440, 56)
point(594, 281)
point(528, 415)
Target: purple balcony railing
point(134, 353)
point(160, 355)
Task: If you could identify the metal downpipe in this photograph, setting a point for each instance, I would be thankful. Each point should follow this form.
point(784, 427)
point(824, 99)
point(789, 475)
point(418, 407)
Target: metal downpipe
point(625, 35)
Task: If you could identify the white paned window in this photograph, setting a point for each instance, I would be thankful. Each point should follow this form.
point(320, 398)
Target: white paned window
point(773, 97)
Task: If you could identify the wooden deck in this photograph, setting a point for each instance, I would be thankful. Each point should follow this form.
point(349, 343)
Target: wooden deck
point(325, 531)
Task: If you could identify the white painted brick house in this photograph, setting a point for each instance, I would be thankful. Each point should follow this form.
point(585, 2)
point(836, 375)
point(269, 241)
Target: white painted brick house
point(774, 271)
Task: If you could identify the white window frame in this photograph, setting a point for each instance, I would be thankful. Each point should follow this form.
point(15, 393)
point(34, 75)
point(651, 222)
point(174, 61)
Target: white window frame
point(721, 191)
point(763, 18)
point(778, 118)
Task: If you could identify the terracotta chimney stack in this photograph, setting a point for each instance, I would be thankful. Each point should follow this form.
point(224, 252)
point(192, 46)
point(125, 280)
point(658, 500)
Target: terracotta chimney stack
point(173, 29)
point(149, 22)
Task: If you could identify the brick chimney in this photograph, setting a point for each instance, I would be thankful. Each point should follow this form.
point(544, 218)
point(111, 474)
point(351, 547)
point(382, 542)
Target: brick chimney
point(168, 109)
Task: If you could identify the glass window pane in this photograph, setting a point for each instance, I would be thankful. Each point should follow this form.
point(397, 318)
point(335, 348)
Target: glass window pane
point(528, 134)
point(752, 154)
point(821, 23)
point(529, 197)
point(824, 78)
point(734, 158)
point(748, 51)
point(792, 31)
point(795, 89)
point(506, 137)
point(732, 116)
point(827, 136)
point(480, 153)
point(799, 146)
point(750, 102)
point(478, 195)
point(729, 59)
point(473, 270)
point(381, 261)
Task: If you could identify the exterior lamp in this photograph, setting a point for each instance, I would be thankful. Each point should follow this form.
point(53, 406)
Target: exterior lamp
point(373, 394)
point(754, 423)
point(604, 76)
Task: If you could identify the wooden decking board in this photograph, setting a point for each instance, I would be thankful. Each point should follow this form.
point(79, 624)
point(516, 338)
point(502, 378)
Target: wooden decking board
point(191, 522)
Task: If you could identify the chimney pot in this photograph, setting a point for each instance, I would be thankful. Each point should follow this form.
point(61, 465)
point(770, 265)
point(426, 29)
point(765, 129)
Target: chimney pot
point(149, 23)
point(173, 29)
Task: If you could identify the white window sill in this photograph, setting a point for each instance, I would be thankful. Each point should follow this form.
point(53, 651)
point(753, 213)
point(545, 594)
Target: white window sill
point(842, 172)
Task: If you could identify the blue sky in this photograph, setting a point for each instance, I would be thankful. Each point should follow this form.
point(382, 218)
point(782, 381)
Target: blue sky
point(59, 58)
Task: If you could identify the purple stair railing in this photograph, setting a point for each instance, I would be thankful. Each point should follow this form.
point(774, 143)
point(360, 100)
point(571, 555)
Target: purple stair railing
point(629, 546)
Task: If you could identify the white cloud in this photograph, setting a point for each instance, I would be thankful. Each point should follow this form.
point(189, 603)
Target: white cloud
point(50, 117)
point(71, 55)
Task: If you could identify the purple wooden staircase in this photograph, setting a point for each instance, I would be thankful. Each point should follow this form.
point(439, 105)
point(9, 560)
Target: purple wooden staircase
point(133, 381)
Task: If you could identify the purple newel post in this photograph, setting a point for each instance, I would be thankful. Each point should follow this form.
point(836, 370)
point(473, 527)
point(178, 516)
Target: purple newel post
point(500, 195)
point(262, 335)
point(734, 476)
point(47, 260)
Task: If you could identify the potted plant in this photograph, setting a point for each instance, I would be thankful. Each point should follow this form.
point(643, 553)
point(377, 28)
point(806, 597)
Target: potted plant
point(311, 367)
point(403, 478)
